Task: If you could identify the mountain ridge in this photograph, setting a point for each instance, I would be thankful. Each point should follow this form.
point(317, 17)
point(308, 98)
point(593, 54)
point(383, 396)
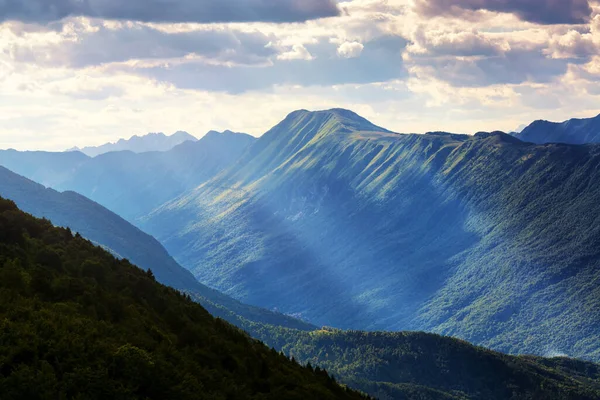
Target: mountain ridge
point(573, 131)
point(139, 144)
point(127, 183)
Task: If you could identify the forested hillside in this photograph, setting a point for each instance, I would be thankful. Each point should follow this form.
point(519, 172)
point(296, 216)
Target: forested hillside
point(334, 219)
point(413, 365)
point(78, 323)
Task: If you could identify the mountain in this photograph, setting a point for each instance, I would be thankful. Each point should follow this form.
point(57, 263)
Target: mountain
point(573, 131)
point(132, 184)
point(78, 323)
point(140, 144)
point(331, 218)
point(118, 236)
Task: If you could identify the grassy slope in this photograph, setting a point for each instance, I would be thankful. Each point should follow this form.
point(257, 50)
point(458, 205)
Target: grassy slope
point(486, 238)
point(75, 322)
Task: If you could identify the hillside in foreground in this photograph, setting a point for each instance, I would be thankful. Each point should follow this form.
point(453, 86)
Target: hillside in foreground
point(77, 323)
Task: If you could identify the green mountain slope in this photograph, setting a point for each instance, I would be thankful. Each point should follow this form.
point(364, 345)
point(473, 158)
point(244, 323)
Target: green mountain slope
point(77, 323)
point(127, 183)
point(574, 131)
point(486, 238)
point(110, 231)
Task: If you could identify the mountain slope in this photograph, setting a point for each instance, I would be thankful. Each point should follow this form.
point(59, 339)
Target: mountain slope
point(486, 238)
point(132, 184)
point(110, 231)
point(574, 131)
point(140, 144)
point(79, 323)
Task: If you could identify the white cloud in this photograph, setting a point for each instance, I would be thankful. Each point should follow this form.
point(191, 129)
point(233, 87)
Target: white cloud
point(350, 49)
point(297, 52)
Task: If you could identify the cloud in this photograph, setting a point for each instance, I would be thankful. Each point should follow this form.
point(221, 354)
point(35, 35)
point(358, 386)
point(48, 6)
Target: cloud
point(459, 43)
point(201, 11)
point(537, 11)
point(350, 49)
point(297, 52)
point(573, 45)
point(514, 66)
point(99, 44)
point(381, 61)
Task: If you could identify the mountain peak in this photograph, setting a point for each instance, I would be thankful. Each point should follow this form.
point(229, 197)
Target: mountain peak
point(347, 119)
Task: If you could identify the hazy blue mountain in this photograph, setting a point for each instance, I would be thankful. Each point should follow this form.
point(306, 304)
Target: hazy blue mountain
point(139, 144)
point(329, 217)
point(132, 184)
point(573, 131)
point(112, 232)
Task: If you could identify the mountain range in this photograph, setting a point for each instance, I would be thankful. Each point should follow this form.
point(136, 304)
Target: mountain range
point(346, 224)
point(139, 144)
point(128, 183)
point(343, 223)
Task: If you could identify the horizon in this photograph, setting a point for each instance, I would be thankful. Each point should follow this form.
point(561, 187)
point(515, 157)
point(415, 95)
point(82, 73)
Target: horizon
point(75, 74)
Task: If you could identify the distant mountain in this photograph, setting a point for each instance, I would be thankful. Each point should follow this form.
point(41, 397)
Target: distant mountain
point(113, 233)
point(573, 131)
point(78, 323)
point(139, 144)
point(132, 184)
point(332, 218)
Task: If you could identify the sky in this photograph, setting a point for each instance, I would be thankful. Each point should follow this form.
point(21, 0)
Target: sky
point(85, 72)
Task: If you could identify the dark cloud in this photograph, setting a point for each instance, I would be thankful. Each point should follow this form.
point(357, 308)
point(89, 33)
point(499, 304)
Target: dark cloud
point(202, 11)
point(141, 42)
point(538, 11)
